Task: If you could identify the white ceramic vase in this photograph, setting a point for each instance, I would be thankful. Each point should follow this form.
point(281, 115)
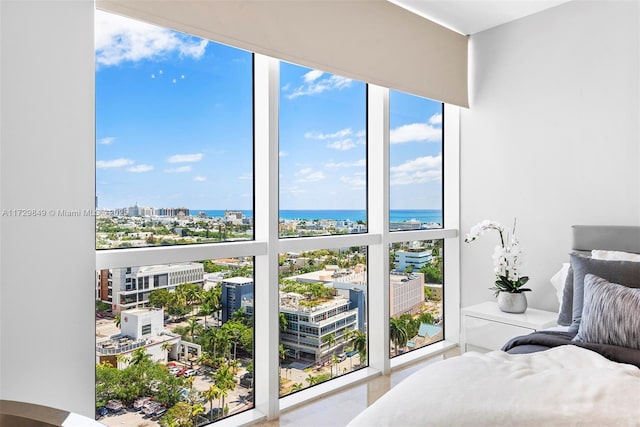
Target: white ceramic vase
point(512, 302)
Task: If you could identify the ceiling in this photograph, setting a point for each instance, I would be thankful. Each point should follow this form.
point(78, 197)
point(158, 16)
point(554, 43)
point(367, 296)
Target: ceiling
point(472, 16)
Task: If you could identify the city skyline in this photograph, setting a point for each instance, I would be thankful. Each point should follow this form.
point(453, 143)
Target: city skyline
point(174, 127)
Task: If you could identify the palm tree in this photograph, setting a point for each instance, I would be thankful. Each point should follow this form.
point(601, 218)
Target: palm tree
point(224, 380)
point(210, 394)
point(233, 332)
point(193, 326)
point(312, 379)
point(297, 387)
point(221, 342)
point(117, 320)
point(205, 310)
point(183, 331)
point(398, 333)
point(330, 340)
point(283, 322)
point(166, 346)
point(334, 361)
point(210, 302)
point(140, 356)
point(194, 294)
point(121, 359)
point(360, 344)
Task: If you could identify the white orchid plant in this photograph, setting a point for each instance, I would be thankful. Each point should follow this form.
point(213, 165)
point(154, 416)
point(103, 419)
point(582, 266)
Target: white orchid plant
point(507, 257)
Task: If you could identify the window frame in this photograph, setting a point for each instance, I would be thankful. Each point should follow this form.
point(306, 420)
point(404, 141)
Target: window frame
point(267, 245)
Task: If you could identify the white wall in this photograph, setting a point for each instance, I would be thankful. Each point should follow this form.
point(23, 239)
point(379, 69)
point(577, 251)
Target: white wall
point(47, 263)
point(552, 136)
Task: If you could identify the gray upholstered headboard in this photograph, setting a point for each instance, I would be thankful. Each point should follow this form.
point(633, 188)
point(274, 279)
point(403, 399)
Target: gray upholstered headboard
point(625, 238)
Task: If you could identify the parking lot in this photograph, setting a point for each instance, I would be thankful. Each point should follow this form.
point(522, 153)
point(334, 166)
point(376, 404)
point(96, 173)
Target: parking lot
point(237, 400)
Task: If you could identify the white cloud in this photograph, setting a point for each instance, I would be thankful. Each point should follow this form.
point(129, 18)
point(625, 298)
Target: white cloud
point(117, 163)
point(339, 144)
point(246, 177)
point(342, 145)
point(356, 181)
point(415, 132)
point(312, 76)
point(200, 178)
point(107, 140)
point(416, 171)
point(140, 168)
point(283, 154)
point(185, 158)
point(309, 175)
point(357, 163)
point(119, 39)
point(419, 177)
point(436, 119)
point(181, 169)
point(317, 86)
point(295, 190)
point(321, 136)
point(426, 162)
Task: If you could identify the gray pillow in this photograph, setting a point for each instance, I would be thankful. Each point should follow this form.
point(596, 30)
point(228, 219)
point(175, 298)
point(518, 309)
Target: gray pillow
point(565, 315)
point(625, 273)
point(610, 314)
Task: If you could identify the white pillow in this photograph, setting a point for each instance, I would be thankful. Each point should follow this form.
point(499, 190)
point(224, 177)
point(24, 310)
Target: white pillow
point(558, 280)
point(614, 256)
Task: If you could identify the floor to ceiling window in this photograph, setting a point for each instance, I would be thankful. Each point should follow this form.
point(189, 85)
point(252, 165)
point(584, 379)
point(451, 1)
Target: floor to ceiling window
point(174, 166)
point(206, 303)
point(416, 203)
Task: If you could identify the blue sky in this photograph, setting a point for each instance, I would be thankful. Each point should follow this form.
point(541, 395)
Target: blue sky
point(174, 128)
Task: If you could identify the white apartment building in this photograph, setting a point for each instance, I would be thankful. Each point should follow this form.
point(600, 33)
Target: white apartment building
point(127, 288)
point(413, 257)
point(308, 326)
point(406, 293)
point(140, 328)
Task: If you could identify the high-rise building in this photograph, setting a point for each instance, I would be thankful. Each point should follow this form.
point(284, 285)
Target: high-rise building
point(234, 291)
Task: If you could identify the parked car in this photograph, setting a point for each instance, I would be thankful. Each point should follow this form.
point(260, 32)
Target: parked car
point(181, 372)
point(140, 402)
point(101, 412)
point(184, 392)
point(190, 372)
point(174, 370)
point(150, 408)
point(158, 413)
point(114, 406)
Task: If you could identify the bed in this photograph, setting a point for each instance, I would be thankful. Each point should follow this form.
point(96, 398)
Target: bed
point(585, 373)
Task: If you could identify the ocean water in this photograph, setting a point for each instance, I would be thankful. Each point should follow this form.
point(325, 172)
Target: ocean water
point(396, 215)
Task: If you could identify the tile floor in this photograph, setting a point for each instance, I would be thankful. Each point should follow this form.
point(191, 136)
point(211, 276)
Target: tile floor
point(338, 409)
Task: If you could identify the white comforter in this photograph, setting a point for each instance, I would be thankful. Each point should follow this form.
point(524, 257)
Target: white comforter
point(562, 386)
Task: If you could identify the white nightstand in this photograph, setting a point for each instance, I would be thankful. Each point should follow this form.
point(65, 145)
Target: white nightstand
point(486, 328)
